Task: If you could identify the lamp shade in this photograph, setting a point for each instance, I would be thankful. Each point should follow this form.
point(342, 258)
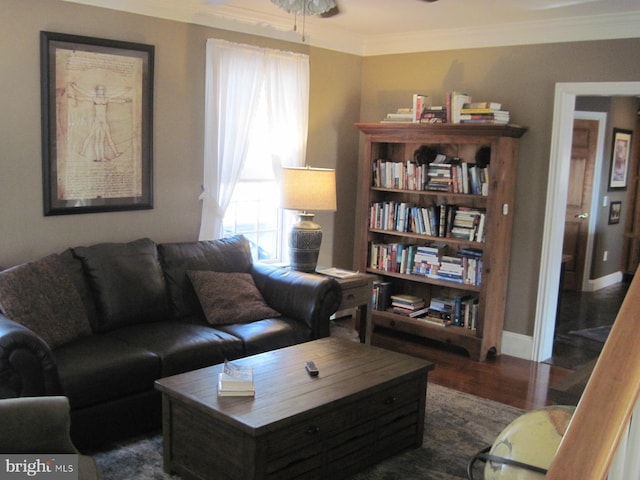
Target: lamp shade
point(308, 189)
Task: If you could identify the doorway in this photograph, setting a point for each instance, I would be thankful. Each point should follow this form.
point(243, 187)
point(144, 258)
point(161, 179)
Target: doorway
point(587, 147)
point(557, 191)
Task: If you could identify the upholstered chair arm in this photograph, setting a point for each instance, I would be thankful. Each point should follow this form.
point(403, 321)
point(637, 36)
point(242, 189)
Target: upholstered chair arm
point(35, 425)
point(302, 296)
point(27, 367)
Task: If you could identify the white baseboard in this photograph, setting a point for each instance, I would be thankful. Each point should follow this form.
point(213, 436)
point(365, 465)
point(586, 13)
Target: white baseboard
point(517, 345)
point(606, 281)
point(521, 346)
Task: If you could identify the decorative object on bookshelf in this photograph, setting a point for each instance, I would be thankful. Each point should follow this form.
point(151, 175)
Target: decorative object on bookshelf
point(439, 226)
point(307, 189)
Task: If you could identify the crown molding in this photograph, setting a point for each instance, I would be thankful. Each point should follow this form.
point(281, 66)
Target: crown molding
point(601, 27)
point(317, 34)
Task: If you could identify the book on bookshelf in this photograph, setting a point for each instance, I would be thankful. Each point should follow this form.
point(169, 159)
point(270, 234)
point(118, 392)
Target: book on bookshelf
point(435, 321)
point(483, 111)
point(484, 115)
point(410, 301)
point(434, 114)
point(395, 117)
point(441, 313)
point(381, 295)
point(408, 306)
point(491, 105)
point(409, 313)
point(455, 102)
point(419, 103)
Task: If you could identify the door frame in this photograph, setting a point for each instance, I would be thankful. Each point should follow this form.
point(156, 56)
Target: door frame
point(553, 232)
point(601, 118)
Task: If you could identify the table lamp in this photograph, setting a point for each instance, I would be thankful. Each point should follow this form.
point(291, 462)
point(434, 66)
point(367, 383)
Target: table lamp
point(304, 189)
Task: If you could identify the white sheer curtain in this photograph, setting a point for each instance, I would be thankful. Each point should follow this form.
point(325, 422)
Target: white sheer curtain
point(236, 75)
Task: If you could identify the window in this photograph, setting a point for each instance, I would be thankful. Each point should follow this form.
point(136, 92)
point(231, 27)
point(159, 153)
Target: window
point(253, 210)
point(244, 153)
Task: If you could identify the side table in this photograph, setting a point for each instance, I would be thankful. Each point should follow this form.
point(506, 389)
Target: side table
point(356, 293)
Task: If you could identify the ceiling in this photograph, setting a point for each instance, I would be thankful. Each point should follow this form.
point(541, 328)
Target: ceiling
point(378, 27)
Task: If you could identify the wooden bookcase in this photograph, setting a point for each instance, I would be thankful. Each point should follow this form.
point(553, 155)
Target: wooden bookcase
point(398, 143)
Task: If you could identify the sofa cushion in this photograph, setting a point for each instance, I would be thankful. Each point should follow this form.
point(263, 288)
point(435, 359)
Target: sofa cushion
point(41, 296)
point(182, 346)
point(75, 270)
point(223, 255)
point(127, 281)
point(99, 368)
point(269, 334)
point(228, 297)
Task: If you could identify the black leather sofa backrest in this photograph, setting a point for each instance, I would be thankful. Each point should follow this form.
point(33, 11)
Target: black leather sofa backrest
point(223, 255)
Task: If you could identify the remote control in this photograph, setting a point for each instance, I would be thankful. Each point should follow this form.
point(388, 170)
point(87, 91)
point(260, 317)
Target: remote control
point(312, 369)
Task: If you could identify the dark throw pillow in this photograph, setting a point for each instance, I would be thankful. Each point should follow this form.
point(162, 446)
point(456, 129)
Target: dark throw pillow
point(228, 298)
point(41, 296)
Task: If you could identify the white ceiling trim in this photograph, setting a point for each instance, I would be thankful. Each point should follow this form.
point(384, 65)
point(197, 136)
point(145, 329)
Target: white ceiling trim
point(613, 26)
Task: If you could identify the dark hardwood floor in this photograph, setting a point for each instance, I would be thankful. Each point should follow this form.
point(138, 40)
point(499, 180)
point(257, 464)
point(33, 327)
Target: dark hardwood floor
point(510, 380)
point(579, 314)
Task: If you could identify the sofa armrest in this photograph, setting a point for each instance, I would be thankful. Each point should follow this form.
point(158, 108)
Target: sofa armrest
point(27, 366)
point(301, 296)
point(35, 425)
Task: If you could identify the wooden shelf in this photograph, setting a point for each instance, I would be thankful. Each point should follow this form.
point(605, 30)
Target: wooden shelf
point(425, 279)
point(417, 236)
point(397, 143)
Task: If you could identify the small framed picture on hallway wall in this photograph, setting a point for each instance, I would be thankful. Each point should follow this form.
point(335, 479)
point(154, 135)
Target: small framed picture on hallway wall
point(97, 98)
point(620, 156)
point(615, 209)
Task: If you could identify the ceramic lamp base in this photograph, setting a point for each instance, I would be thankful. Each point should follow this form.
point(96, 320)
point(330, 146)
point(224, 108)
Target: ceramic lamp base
point(305, 238)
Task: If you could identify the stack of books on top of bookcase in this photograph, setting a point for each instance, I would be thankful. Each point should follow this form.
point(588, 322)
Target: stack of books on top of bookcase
point(483, 113)
point(412, 114)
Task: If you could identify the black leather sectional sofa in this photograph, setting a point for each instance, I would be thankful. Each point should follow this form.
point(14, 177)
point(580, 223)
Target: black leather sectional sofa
point(100, 324)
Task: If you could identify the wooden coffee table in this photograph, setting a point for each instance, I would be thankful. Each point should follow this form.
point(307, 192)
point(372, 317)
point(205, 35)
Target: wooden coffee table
point(366, 404)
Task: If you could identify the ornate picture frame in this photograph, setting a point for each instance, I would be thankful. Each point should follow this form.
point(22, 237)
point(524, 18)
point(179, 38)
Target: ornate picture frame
point(620, 157)
point(97, 103)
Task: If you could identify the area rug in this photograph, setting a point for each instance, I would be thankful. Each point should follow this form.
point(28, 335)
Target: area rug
point(457, 425)
point(599, 334)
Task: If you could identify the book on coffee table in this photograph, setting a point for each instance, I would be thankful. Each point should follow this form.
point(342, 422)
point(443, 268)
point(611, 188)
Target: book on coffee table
point(236, 380)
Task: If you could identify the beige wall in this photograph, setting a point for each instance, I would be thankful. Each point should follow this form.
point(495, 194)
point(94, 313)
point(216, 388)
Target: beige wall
point(523, 79)
point(344, 89)
point(178, 129)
